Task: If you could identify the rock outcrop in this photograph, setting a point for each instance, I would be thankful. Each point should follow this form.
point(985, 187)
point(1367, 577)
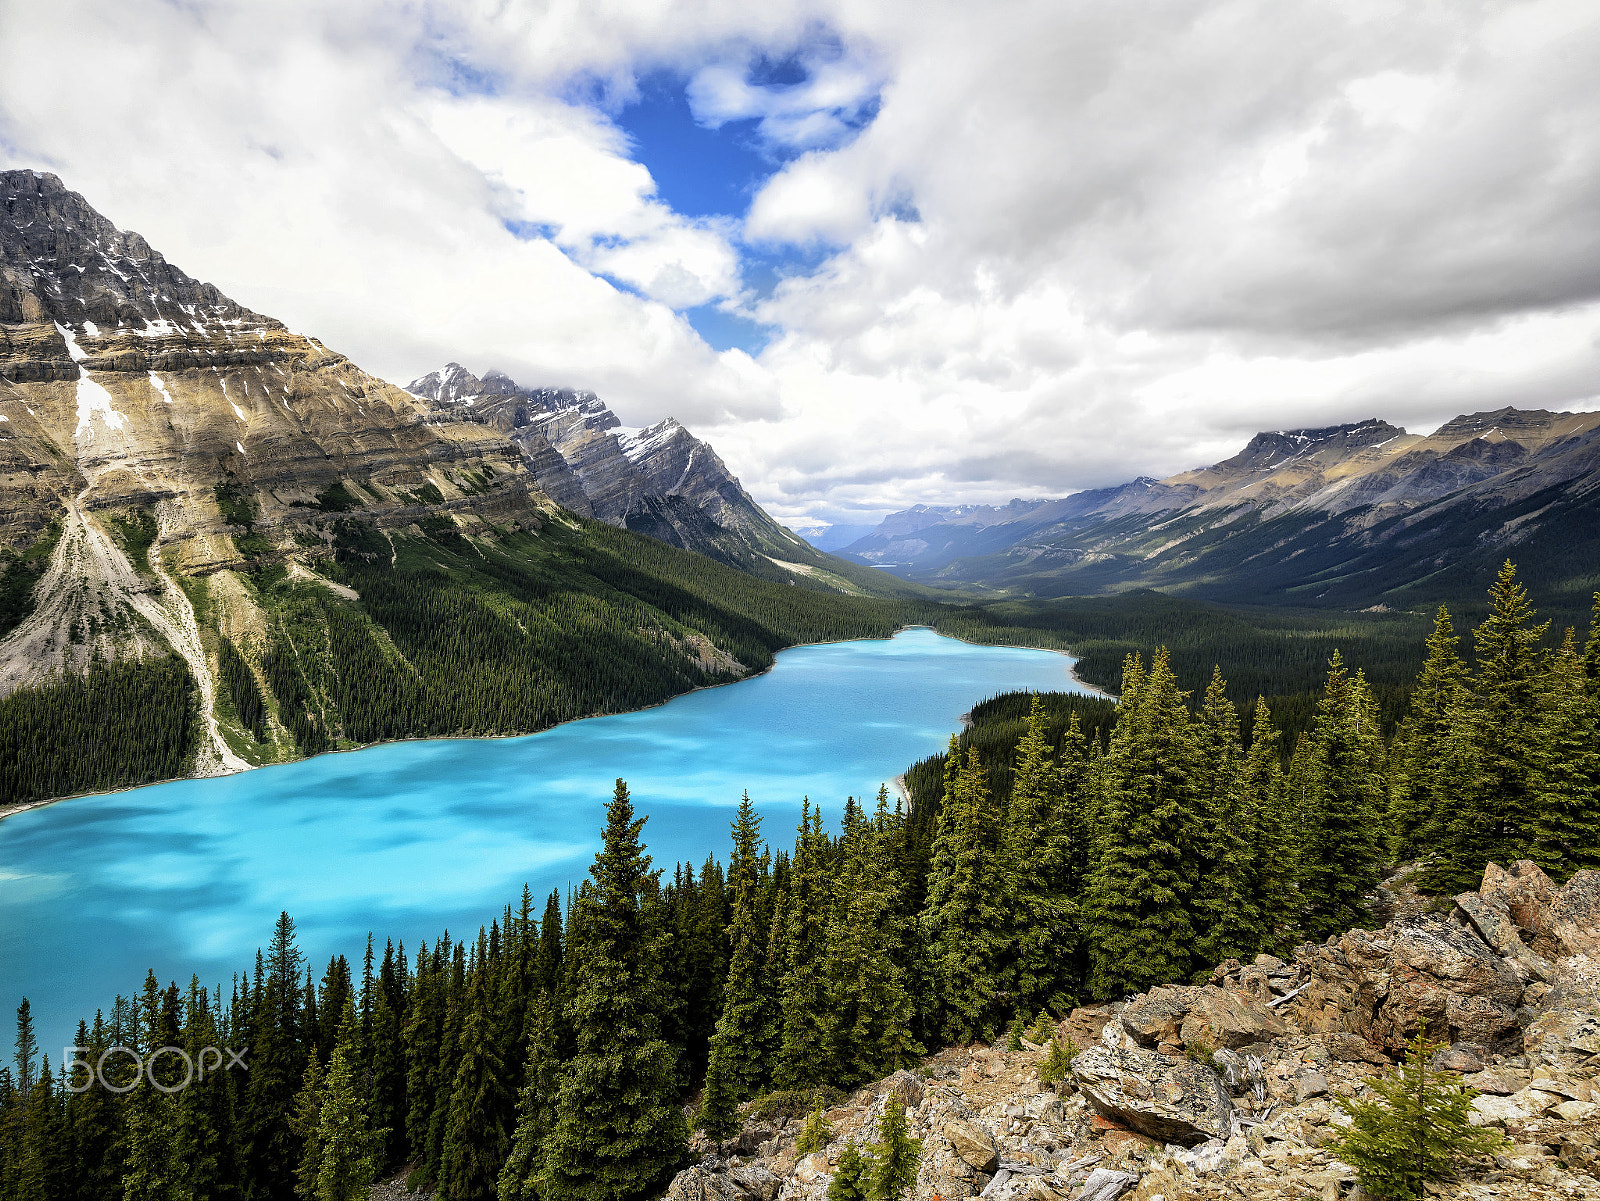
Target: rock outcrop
point(1145, 1115)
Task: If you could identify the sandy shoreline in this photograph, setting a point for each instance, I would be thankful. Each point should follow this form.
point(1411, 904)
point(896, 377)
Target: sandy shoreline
point(11, 810)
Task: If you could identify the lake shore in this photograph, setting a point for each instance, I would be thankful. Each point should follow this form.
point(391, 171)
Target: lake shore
point(14, 808)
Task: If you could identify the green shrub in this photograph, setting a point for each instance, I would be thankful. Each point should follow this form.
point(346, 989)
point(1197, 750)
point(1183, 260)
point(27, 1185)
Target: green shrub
point(816, 1134)
point(1014, 1034)
point(794, 1103)
point(1200, 1051)
point(1414, 1134)
point(895, 1156)
point(1058, 1061)
point(1044, 1028)
point(849, 1181)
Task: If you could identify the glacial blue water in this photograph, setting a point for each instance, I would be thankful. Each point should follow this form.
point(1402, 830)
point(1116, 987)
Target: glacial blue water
point(408, 839)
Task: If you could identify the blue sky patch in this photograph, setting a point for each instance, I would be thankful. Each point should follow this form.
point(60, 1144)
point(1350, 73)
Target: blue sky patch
point(700, 172)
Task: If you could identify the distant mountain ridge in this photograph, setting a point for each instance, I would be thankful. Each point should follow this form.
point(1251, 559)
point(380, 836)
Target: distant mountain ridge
point(1357, 513)
point(659, 480)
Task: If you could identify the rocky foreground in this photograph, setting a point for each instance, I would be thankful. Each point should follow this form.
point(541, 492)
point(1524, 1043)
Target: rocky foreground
point(1511, 976)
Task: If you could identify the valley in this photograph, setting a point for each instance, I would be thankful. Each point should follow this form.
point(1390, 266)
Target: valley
point(1360, 516)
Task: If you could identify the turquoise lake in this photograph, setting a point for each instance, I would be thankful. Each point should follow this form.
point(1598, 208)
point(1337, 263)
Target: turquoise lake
point(407, 839)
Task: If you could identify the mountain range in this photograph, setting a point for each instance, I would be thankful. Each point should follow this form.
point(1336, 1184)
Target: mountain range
point(1355, 515)
point(334, 559)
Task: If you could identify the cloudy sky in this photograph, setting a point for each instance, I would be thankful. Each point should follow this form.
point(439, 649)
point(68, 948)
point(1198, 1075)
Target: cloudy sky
point(877, 253)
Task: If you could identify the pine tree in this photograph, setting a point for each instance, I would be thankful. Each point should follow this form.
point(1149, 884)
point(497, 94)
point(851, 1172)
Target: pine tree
point(719, 1107)
point(1415, 1133)
point(895, 1156)
point(423, 1036)
point(1136, 904)
point(207, 1153)
point(1419, 795)
point(804, 1019)
point(95, 1119)
point(816, 1134)
point(1342, 849)
point(619, 1132)
point(850, 1179)
point(306, 1123)
point(1491, 763)
point(1264, 811)
point(278, 1056)
point(1057, 1061)
point(475, 1142)
point(1036, 866)
point(1225, 907)
point(535, 1104)
point(350, 1150)
point(708, 960)
point(388, 1060)
point(963, 918)
point(27, 1049)
point(869, 1011)
point(148, 1170)
point(1566, 782)
point(744, 1032)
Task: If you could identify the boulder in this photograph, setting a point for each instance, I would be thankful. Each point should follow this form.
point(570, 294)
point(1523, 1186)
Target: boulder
point(756, 1181)
point(1155, 1017)
point(1574, 917)
point(906, 1086)
point(812, 1168)
point(1492, 1082)
point(971, 1143)
point(1309, 1083)
point(1567, 1033)
point(1352, 1048)
point(1493, 924)
point(1218, 1017)
point(1524, 892)
point(701, 1183)
point(1169, 1100)
point(1229, 1018)
point(1459, 1058)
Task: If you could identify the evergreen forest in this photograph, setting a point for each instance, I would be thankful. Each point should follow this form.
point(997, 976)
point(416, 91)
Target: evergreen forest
point(554, 1054)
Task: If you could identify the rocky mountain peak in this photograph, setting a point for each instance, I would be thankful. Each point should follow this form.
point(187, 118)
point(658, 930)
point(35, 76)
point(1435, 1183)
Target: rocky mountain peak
point(1274, 448)
point(1508, 420)
point(63, 262)
point(658, 480)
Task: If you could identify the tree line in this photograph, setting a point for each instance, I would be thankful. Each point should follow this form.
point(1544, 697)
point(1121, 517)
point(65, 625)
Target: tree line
point(552, 1056)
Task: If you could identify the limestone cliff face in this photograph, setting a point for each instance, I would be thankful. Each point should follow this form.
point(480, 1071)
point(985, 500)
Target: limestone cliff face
point(660, 480)
point(131, 393)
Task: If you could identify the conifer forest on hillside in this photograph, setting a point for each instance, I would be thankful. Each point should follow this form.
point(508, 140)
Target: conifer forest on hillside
point(1064, 849)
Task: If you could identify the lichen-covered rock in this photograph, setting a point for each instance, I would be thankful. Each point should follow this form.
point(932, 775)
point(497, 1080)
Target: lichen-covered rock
point(1171, 1100)
point(756, 1181)
point(1217, 1017)
point(1567, 1033)
point(703, 1182)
